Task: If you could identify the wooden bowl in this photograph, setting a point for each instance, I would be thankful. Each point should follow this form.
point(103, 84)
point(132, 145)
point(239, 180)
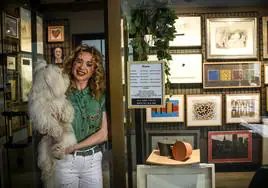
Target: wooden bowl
point(181, 151)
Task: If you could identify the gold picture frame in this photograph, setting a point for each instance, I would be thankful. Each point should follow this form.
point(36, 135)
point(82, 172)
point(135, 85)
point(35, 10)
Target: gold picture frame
point(55, 33)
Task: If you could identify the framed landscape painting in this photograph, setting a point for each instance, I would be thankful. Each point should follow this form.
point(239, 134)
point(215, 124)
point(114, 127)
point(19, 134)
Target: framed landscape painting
point(229, 146)
point(243, 108)
point(204, 110)
point(231, 38)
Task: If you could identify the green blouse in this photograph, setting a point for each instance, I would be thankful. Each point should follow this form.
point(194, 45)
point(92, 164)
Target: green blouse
point(87, 113)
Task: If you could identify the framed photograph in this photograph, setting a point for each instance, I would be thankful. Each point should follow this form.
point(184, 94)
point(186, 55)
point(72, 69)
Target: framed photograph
point(11, 26)
point(204, 110)
point(243, 107)
point(231, 38)
point(26, 77)
point(264, 34)
point(188, 32)
point(173, 111)
point(39, 35)
point(265, 73)
point(154, 136)
point(55, 33)
point(232, 74)
point(25, 30)
point(11, 63)
point(57, 55)
point(229, 146)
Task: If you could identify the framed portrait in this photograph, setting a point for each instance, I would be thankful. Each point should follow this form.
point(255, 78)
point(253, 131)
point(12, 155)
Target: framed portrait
point(231, 38)
point(173, 111)
point(204, 110)
point(154, 136)
point(229, 146)
point(26, 77)
point(55, 33)
point(25, 30)
point(39, 35)
point(11, 26)
point(264, 34)
point(188, 32)
point(57, 55)
point(232, 74)
point(243, 107)
point(11, 62)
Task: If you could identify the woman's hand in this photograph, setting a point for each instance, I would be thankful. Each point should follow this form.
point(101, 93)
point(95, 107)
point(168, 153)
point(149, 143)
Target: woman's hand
point(70, 149)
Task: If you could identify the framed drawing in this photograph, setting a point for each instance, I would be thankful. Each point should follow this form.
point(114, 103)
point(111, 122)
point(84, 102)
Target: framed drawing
point(173, 111)
point(232, 74)
point(204, 110)
point(39, 35)
point(184, 68)
point(55, 33)
point(243, 107)
point(229, 146)
point(25, 30)
point(26, 77)
point(11, 63)
point(11, 26)
point(188, 32)
point(265, 73)
point(264, 34)
point(153, 136)
point(231, 38)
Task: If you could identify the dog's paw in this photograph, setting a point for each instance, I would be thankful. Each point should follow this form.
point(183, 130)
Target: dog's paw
point(58, 151)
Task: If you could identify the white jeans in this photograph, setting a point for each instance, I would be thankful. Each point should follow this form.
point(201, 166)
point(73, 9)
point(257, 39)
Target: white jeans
point(80, 171)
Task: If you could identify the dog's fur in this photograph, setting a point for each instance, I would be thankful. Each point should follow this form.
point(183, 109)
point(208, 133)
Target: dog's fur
point(51, 114)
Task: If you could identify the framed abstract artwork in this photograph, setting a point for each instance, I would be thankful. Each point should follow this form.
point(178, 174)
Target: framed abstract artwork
point(173, 111)
point(11, 26)
point(243, 107)
point(188, 32)
point(231, 38)
point(232, 74)
point(25, 30)
point(154, 136)
point(265, 35)
point(55, 33)
point(26, 77)
point(39, 35)
point(204, 110)
point(229, 146)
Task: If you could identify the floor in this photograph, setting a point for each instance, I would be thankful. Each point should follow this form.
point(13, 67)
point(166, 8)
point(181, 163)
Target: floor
point(233, 179)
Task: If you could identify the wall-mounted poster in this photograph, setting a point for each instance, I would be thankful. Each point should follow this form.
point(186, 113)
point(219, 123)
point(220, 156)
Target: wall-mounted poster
point(173, 111)
point(229, 146)
point(25, 30)
point(204, 110)
point(11, 26)
point(188, 32)
point(57, 55)
point(55, 33)
point(243, 108)
point(26, 77)
point(39, 35)
point(11, 62)
point(231, 38)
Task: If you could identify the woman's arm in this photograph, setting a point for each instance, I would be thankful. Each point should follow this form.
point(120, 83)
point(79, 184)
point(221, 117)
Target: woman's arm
point(97, 138)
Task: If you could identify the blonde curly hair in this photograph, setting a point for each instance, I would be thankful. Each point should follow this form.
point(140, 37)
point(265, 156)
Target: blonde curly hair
point(97, 80)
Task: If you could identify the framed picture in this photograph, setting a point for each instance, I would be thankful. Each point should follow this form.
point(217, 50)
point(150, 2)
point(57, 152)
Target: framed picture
point(231, 38)
point(153, 136)
point(173, 111)
point(266, 98)
point(204, 110)
point(11, 93)
point(26, 77)
point(265, 73)
point(188, 32)
point(25, 30)
point(57, 55)
point(229, 146)
point(11, 26)
point(232, 74)
point(243, 107)
point(11, 63)
point(39, 35)
point(264, 34)
point(56, 33)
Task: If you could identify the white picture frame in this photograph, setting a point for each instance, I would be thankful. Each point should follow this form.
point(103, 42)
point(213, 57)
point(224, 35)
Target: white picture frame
point(26, 77)
point(188, 32)
point(204, 110)
point(243, 108)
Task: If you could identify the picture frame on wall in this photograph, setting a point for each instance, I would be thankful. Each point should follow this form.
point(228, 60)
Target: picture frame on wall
point(232, 74)
point(173, 111)
point(11, 62)
point(25, 30)
point(243, 108)
point(229, 146)
point(26, 77)
point(265, 73)
point(171, 136)
point(264, 34)
point(204, 110)
point(188, 32)
point(57, 55)
point(11, 26)
point(231, 38)
point(55, 33)
point(39, 35)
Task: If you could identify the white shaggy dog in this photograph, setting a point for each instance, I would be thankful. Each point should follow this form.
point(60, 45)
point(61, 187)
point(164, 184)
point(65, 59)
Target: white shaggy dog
point(51, 114)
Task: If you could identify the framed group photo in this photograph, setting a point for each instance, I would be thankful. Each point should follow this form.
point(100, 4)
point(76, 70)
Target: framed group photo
point(229, 146)
point(231, 38)
point(55, 33)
